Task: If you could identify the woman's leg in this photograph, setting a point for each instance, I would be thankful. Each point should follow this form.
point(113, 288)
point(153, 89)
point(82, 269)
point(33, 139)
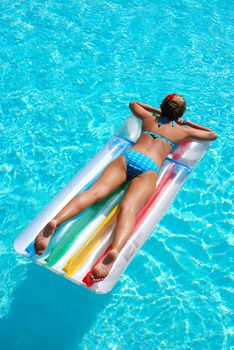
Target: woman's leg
point(112, 177)
point(138, 192)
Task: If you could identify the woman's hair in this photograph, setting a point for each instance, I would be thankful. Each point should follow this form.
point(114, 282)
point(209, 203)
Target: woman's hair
point(173, 106)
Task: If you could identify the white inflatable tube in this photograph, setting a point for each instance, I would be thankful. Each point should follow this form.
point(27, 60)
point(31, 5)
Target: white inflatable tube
point(81, 243)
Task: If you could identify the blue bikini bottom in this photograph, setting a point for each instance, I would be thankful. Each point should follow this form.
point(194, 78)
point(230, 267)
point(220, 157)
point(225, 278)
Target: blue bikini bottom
point(138, 163)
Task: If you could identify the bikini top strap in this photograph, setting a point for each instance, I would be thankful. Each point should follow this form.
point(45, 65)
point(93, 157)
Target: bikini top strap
point(160, 123)
point(172, 144)
point(164, 120)
point(155, 135)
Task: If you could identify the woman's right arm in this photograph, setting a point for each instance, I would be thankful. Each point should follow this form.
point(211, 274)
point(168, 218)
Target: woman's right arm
point(199, 132)
point(197, 126)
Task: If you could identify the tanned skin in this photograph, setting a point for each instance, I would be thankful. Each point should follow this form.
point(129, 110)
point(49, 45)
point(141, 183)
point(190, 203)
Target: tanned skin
point(140, 187)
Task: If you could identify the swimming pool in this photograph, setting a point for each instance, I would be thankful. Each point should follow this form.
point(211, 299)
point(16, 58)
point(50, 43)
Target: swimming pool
point(68, 72)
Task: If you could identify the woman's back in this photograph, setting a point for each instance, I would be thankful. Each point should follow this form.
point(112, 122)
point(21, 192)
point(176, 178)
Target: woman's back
point(157, 148)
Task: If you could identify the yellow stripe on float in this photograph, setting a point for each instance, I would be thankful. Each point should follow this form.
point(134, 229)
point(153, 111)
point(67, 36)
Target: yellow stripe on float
point(88, 247)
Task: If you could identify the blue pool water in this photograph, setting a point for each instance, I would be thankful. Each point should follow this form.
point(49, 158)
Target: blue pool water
point(68, 71)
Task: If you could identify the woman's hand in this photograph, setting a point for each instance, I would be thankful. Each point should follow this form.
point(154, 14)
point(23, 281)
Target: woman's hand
point(180, 121)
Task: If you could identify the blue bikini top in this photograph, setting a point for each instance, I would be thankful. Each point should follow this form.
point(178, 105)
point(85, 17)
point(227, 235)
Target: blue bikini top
point(155, 136)
point(163, 120)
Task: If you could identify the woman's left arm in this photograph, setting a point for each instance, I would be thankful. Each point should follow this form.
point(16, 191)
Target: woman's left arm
point(149, 108)
point(139, 111)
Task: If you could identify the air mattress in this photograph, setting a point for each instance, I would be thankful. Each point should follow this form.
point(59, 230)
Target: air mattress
point(82, 242)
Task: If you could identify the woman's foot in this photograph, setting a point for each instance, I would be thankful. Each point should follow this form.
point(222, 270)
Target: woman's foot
point(100, 271)
point(43, 237)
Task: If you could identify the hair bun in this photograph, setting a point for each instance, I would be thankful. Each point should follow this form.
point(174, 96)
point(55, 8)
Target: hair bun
point(170, 96)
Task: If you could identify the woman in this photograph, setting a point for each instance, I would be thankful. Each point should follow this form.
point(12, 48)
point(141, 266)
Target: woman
point(140, 165)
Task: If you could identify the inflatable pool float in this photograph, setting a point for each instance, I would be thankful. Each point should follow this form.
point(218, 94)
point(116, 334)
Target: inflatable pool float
point(82, 242)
